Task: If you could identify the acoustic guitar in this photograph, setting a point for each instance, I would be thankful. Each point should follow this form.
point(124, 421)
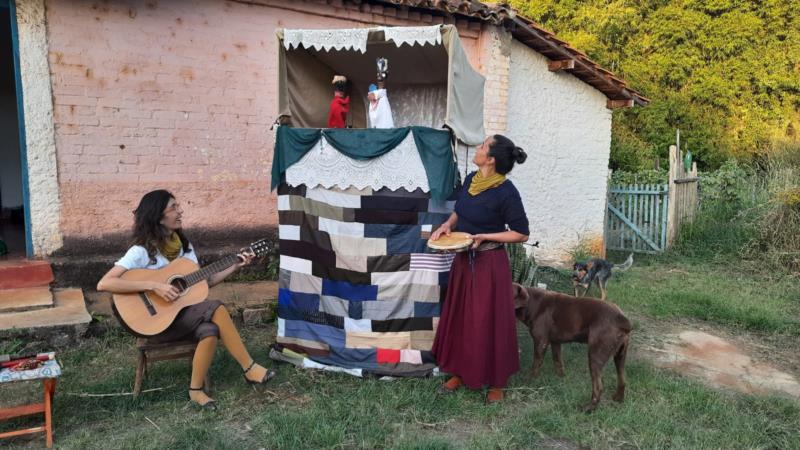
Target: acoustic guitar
point(147, 314)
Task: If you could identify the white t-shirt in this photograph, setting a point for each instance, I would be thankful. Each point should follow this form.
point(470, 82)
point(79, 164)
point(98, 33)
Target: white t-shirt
point(136, 258)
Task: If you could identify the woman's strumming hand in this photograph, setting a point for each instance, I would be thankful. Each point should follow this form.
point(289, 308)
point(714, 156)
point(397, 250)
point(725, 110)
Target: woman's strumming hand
point(166, 291)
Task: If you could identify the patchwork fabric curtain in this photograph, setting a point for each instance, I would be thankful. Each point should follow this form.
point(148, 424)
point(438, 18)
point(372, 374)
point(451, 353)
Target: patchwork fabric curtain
point(358, 289)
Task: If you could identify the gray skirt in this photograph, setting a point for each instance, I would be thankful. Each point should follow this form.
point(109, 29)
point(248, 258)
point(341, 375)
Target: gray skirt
point(193, 323)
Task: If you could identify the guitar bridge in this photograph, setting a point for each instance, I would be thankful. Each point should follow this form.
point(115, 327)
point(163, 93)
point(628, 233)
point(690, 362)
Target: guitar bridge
point(148, 304)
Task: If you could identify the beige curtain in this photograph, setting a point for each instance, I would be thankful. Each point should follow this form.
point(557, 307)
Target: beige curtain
point(430, 85)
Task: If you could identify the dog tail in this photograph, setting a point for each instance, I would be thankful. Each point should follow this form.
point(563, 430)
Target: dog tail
point(624, 266)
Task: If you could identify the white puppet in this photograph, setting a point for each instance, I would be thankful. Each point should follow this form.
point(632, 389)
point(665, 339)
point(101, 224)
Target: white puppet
point(379, 110)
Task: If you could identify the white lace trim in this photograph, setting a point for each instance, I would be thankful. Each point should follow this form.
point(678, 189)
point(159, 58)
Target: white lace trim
point(339, 39)
point(325, 166)
point(413, 35)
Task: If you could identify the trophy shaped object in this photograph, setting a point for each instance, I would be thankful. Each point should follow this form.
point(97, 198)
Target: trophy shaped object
point(383, 69)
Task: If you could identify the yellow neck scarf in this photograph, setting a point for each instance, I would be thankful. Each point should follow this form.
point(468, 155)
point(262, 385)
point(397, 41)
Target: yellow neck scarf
point(480, 184)
point(172, 247)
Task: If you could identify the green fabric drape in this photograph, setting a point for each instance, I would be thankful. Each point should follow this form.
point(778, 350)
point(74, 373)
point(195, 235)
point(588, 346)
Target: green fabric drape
point(291, 144)
point(434, 147)
point(365, 143)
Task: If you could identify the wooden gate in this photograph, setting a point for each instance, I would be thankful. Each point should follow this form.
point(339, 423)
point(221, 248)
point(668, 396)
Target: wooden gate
point(683, 187)
point(646, 218)
point(637, 218)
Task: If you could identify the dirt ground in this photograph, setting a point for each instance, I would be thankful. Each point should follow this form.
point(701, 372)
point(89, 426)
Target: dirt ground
point(746, 363)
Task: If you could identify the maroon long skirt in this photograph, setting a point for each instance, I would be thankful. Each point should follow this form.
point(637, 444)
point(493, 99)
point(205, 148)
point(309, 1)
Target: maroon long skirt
point(476, 338)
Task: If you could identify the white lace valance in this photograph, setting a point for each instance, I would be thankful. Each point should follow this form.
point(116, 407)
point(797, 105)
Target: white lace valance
point(325, 166)
point(413, 35)
point(341, 39)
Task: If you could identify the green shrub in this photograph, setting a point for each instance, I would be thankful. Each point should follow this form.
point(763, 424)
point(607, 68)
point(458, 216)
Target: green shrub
point(650, 176)
point(778, 238)
point(727, 217)
point(723, 72)
point(729, 183)
point(523, 266)
point(527, 272)
point(749, 212)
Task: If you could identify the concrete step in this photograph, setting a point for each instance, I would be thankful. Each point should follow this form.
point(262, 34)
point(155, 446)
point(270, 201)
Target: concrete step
point(25, 299)
point(23, 273)
point(238, 297)
point(245, 294)
point(68, 309)
point(85, 271)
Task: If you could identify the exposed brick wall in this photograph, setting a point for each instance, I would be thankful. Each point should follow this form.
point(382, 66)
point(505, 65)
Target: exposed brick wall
point(177, 95)
point(496, 63)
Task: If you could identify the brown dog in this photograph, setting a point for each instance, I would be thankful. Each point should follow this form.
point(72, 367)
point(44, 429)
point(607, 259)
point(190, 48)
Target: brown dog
point(553, 319)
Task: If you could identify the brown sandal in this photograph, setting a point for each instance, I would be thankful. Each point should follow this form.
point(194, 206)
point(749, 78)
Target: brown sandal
point(450, 386)
point(494, 395)
point(210, 405)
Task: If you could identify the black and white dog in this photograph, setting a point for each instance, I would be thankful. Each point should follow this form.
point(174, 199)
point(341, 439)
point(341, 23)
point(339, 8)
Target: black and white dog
point(598, 270)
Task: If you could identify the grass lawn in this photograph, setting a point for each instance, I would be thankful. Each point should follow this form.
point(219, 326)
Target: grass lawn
point(304, 409)
point(670, 287)
point(664, 288)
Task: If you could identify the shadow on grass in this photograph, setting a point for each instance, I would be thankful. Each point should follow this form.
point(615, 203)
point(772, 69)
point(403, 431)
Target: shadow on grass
point(305, 409)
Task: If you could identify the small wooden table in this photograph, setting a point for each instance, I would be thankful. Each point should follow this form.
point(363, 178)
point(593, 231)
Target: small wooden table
point(48, 374)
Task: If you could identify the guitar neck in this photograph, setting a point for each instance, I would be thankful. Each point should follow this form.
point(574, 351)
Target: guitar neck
point(206, 272)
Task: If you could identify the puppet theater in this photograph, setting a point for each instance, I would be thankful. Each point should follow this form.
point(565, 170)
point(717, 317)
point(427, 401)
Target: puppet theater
point(359, 291)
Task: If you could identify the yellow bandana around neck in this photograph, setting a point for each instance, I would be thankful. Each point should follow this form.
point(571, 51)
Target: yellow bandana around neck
point(480, 184)
point(172, 247)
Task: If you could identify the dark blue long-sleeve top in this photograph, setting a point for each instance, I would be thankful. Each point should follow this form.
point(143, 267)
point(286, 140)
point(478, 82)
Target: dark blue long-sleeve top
point(491, 210)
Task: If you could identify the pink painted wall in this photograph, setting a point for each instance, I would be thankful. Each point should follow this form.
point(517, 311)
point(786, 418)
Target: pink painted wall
point(177, 95)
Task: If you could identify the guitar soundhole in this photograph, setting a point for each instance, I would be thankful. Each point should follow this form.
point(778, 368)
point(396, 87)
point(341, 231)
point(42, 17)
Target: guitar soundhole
point(180, 284)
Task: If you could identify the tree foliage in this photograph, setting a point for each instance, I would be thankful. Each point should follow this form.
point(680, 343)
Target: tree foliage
point(724, 72)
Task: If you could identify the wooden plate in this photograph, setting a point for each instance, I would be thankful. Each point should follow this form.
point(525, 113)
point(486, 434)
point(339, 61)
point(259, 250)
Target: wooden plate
point(457, 241)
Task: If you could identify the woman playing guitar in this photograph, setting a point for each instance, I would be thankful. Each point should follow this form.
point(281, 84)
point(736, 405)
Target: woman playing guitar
point(158, 239)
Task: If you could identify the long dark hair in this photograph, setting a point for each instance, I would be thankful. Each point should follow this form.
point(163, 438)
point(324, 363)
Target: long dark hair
point(505, 154)
point(147, 229)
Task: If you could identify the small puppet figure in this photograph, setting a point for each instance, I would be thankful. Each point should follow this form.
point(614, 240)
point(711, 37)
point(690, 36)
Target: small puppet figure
point(379, 111)
point(340, 105)
point(383, 71)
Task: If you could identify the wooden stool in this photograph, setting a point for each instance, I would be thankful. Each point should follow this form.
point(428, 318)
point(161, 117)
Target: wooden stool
point(48, 376)
point(162, 351)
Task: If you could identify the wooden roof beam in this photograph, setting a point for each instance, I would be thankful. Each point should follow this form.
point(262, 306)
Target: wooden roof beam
point(564, 64)
point(621, 103)
point(566, 54)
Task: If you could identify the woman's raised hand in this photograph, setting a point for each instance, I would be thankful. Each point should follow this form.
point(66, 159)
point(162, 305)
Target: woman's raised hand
point(443, 229)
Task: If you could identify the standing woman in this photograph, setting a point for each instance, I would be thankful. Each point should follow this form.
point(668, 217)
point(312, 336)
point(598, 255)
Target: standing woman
point(158, 239)
point(476, 340)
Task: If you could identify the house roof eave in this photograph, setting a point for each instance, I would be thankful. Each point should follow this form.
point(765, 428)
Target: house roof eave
point(534, 36)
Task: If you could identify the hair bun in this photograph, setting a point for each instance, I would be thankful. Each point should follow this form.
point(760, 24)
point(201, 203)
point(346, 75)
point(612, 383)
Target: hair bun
point(519, 155)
